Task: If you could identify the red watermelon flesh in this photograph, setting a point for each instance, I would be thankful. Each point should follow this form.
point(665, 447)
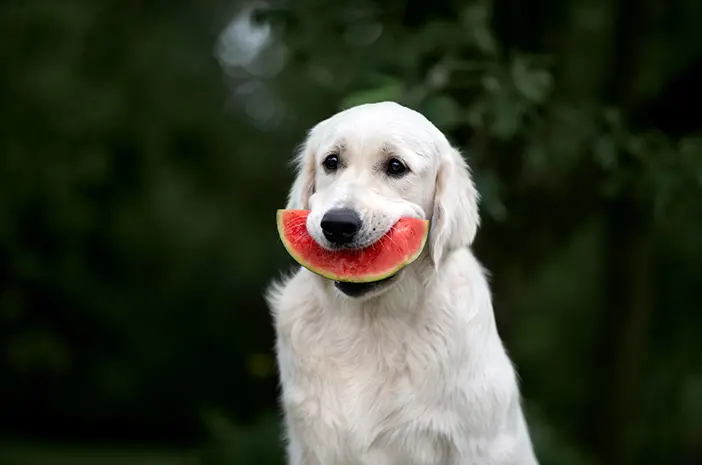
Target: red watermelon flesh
point(396, 249)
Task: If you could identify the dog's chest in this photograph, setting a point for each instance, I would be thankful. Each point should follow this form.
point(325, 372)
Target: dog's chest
point(370, 388)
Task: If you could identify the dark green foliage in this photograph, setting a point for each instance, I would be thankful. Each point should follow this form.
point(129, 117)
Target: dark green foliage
point(144, 151)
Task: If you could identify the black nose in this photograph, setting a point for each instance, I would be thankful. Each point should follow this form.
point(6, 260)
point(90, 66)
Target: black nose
point(340, 225)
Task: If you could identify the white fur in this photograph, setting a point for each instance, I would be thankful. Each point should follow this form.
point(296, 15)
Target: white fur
point(414, 374)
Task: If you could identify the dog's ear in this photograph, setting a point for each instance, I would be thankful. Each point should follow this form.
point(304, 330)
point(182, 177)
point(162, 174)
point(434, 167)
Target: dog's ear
point(303, 186)
point(455, 218)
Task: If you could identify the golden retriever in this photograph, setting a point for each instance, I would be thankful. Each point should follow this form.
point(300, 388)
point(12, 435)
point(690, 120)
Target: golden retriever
point(410, 370)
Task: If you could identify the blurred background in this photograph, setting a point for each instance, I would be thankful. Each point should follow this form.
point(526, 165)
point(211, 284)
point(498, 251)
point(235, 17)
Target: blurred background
point(144, 149)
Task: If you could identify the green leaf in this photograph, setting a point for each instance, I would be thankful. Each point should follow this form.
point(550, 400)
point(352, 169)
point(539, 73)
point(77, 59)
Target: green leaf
point(442, 110)
point(507, 117)
point(605, 152)
point(533, 84)
point(393, 90)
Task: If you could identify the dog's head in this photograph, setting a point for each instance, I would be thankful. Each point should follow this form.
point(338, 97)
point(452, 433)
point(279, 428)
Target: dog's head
point(364, 168)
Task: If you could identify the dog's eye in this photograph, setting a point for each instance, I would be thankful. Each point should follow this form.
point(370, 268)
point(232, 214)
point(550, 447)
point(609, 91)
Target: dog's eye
point(331, 163)
point(395, 167)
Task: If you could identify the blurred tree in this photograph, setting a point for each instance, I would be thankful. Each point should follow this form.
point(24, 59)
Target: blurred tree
point(135, 135)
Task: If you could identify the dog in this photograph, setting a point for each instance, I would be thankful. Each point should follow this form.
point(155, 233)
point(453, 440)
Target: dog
point(409, 370)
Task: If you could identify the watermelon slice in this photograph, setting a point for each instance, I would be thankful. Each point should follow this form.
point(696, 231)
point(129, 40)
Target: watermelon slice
point(396, 249)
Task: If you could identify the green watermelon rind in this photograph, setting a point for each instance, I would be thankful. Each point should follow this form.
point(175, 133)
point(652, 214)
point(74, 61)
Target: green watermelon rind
point(369, 278)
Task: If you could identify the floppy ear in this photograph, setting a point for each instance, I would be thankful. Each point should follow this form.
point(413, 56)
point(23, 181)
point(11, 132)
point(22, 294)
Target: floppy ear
point(303, 186)
point(455, 219)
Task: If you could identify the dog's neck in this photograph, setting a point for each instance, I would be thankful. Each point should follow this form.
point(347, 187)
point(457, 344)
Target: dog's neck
point(408, 294)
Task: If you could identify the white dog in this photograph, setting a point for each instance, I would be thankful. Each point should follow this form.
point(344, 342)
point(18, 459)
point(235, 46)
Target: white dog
point(409, 370)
